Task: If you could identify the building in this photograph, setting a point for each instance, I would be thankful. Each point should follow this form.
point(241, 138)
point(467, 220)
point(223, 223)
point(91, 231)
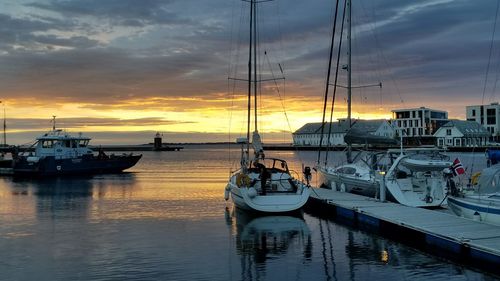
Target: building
point(459, 133)
point(310, 133)
point(486, 115)
point(419, 124)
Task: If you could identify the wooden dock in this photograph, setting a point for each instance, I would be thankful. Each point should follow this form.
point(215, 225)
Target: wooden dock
point(440, 233)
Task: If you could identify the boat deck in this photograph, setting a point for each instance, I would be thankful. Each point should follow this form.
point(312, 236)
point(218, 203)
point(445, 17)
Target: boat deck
point(441, 233)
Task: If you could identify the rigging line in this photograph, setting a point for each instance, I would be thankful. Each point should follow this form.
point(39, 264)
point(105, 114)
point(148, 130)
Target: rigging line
point(335, 82)
point(278, 91)
point(383, 58)
point(486, 76)
point(328, 81)
point(491, 50)
point(282, 98)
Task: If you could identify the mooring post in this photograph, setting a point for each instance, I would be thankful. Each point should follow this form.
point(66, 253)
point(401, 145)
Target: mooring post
point(381, 183)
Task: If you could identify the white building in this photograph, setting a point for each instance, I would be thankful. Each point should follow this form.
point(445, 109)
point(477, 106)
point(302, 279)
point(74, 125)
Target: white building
point(459, 133)
point(419, 123)
point(310, 133)
point(486, 115)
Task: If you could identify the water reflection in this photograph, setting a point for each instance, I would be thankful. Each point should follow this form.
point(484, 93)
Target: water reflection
point(262, 239)
point(70, 196)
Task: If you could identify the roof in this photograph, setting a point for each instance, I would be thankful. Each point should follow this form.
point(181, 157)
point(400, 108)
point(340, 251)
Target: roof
point(419, 108)
point(340, 126)
point(369, 126)
point(468, 128)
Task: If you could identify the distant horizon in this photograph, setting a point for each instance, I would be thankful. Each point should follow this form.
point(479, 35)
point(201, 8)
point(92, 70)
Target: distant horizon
point(146, 137)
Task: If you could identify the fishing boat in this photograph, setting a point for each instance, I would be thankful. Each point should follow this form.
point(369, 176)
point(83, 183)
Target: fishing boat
point(481, 200)
point(412, 177)
point(60, 153)
point(262, 184)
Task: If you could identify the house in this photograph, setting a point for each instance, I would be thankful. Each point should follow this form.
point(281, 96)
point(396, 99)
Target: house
point(419, 124)
point(460, 133)
point(486, 115)
point(310, 133)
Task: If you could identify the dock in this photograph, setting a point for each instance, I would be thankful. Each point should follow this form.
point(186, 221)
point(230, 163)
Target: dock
point(444, 234)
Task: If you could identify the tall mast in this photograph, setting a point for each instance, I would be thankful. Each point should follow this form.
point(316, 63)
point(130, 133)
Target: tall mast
point(4, 127)
point(349, 83)
point(249, 78)
point(255, 59)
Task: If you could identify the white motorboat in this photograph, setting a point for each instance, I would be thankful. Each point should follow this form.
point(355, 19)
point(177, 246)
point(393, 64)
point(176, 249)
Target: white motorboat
point(262, 184)
point(481, 201)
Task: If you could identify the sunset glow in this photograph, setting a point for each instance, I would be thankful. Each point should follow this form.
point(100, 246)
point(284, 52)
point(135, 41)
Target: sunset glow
point(142, 67)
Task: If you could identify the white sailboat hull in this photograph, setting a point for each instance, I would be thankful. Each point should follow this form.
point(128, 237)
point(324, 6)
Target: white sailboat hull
point(361, 186)
point(486, 210)
point(422, 192)
point(246, 198)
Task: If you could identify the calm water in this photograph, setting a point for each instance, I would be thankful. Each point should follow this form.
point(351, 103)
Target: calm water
point(167, 220)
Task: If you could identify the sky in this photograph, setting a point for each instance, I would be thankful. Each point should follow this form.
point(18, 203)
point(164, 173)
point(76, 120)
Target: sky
point(120, 70)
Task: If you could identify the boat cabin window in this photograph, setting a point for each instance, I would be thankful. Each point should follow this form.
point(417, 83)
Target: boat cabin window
point(47, 144)
point(346, 170)
point(83, 143)
point(70, 143)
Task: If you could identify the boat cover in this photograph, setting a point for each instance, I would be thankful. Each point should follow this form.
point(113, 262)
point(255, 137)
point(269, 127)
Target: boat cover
point(489, 181)
point(356, 136)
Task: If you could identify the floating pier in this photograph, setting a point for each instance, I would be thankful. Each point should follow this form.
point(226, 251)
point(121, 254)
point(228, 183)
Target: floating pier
point(440, 233)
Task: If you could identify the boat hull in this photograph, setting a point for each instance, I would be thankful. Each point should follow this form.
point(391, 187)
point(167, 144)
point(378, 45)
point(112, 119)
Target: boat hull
point(482, 210)
point(49, 166)
point(347, 184)
point(270, 203)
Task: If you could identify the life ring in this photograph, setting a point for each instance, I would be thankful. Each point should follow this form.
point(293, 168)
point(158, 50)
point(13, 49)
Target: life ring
point(242, 180)
point(475, 178)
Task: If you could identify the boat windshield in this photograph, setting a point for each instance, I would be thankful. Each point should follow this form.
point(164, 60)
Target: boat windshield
point(271, 163)
point(83, 143)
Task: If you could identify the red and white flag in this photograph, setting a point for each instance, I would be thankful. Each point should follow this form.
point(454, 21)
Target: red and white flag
point(457, 167)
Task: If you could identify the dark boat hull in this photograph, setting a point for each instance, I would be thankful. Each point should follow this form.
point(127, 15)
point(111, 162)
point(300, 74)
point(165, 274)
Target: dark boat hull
point(49, 166)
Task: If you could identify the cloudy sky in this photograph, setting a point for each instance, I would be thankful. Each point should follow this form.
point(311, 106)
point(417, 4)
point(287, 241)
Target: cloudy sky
point(122, 69)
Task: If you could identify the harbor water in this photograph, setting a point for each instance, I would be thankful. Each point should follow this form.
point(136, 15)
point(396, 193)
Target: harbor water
point(166, 219)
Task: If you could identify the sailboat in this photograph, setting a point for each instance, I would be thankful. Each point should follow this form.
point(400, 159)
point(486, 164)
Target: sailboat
point(481, 200)
point(262, 184)
point(413, 177)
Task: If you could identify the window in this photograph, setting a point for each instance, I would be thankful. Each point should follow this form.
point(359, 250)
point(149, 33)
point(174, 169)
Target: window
point(404, 114)
point(438, 115)
point(411, 123)
point(448, 132)
point(84, 143)
point(491, 116)
point(473, 113)
point(47, 144)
